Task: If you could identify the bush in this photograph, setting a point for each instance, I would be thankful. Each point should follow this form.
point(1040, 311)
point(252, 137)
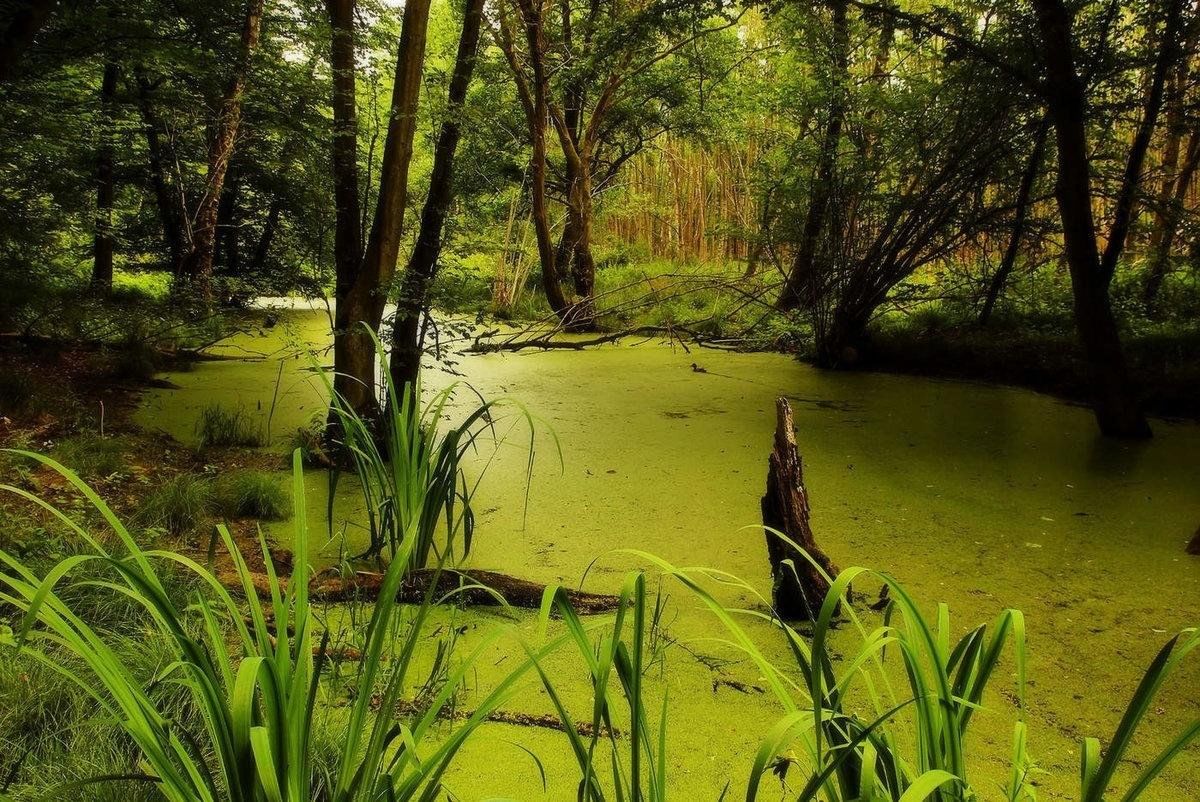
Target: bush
point(91, 455)
point(251, 494)
point(18, 392)
point(218, 426)
point(178, 506)
point(310, 442)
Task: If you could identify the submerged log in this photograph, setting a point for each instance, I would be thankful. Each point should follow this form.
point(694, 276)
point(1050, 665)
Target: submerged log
point(516, 592)
point(799, 588)
point(364, 586)
point(1194, 546)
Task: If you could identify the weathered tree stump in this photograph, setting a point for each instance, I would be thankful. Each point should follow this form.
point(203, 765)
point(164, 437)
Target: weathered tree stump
point(1194, 546)
point(799, 587)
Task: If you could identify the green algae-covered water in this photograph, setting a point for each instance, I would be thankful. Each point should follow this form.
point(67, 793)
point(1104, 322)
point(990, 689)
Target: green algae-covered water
point(978, 496)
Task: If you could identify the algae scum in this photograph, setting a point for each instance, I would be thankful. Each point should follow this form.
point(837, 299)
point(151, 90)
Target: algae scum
point(978, 496)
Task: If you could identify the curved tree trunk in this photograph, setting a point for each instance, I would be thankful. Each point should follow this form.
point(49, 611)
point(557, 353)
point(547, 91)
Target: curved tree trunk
point(170, 211)
point(1024, 191)
point(798, 288)
point(407, 332)
point(198, 263)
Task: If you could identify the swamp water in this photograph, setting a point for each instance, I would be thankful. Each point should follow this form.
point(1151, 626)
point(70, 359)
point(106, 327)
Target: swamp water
point(978, 496)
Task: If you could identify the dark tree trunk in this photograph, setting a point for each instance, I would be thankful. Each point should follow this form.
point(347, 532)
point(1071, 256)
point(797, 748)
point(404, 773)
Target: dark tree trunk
point(365, 297)
point(228, 246)
point(270, 226)
point(1021, 214)
point(799, 588)
point(407, 332)
point(102, 246)
point(25, 19)
point(1115, 400)
point(354, 367)
point(1194, 546)
point(798, 289)
point(170, 211)
point(198, 264)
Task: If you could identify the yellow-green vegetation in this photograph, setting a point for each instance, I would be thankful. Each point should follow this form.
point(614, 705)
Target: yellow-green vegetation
point(220, 427)
point(249, 707)
point(251, 494)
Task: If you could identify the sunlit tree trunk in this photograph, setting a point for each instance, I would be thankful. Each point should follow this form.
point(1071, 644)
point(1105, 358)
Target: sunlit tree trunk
point(407, 332)
point(198, 264)
point(1168, 226)
point(102, 244)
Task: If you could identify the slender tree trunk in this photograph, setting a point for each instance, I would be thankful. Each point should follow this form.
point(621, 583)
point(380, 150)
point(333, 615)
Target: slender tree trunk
point(366, 296)
point(199, 260)
point(1116, 404)
point(538, 113)
point(407, 332)
point(170, 211)
point(102, 246)
point(270, 227)
point(228, 251)
point(1172, 215)
point(1024, 191)
point(800, 282)
point(354, 368)
point(25, 19)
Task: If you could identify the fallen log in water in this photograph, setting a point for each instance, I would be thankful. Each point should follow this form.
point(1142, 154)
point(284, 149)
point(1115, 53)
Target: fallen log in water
point(800, 588)
point(479, 588)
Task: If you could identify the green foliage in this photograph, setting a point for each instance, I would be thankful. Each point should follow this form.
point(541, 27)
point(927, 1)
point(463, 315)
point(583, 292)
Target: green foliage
point(92, 455)
point(411, 477)
point(178, 506)
point(20, 392)
point(256, 687)
point(218, 427)
point(251, 494)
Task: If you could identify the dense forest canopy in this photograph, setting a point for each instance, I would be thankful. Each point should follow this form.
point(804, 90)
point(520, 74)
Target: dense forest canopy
point(789, 175)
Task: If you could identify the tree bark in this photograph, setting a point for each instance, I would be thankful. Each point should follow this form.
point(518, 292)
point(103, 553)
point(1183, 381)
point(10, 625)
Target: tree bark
point(799, 288)
point(170, 211)
point(1164, 241)
point(1116, 405)
point(1024, 191)
point(366, 295)
point(102, 244)
point(26, 18)
point(799, 588)
point(407, 332)
point(537, 113)
point(270, 226)
point(354, 369)
point(198, 264)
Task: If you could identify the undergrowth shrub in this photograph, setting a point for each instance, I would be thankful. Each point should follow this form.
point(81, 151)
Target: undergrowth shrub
point(92, 455)
point(218, 426)
point(178, 506)
point(251, 494)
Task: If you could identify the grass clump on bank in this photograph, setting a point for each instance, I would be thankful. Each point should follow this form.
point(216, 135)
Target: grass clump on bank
point(178, 506)
point(220, 427)
point(92, 455)
point(250, 494)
